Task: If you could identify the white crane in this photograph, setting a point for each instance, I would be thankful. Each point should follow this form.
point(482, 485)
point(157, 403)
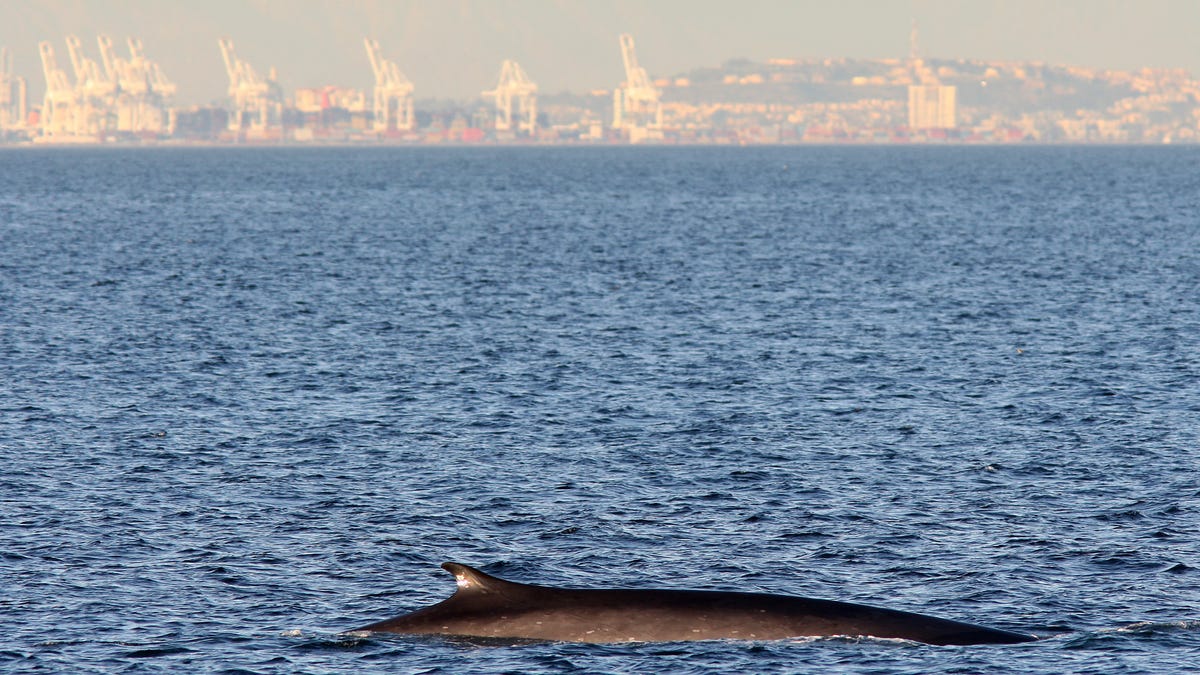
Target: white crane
point(139, 104)
point(125, 101)
point(515, 84)
point(58, 106)
point(393, 92)
point(160, 86)
point(137, 82)
point(113, 64)
point(152, 89)
point(636, 105)
point(93, 91)
point(257, 104)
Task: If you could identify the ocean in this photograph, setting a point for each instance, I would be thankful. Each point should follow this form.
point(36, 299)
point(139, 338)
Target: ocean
point(252, 397)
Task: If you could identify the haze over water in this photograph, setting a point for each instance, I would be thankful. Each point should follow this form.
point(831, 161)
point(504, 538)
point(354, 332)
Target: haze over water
point(253, 397)
point(453, 48)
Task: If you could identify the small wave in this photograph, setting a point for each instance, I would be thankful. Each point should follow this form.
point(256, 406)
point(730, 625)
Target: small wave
point(1139, 630)
point(1159, 627)
point(337, 642)
point(156, 651)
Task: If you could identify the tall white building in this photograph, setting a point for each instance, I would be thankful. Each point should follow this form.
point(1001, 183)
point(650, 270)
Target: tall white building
point(932, 106)
point(13, 104)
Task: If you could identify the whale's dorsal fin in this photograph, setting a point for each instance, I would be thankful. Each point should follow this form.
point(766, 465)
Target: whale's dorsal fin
point(472, 581)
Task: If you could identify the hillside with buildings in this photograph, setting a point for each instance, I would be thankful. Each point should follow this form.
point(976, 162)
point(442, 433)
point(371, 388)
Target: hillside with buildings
point(994, 101)
point(126, 97)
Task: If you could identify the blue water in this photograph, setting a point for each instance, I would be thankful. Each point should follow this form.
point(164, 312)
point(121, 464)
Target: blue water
point(251, 398)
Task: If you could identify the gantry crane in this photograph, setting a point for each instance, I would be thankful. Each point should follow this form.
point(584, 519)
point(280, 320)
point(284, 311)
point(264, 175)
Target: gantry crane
point(109, 58)
point(393, 92)
point(94, 91)
point(515, 84)
point(143, 92)
point(257, 103)
point(152, 91)
point(160, 86)
point(58, 106)
point(125, 101)
point(636, 104)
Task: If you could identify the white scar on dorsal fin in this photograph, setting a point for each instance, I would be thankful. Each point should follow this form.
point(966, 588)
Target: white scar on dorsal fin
point(471, 579)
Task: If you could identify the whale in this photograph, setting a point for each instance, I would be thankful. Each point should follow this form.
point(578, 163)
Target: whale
point(489, 609)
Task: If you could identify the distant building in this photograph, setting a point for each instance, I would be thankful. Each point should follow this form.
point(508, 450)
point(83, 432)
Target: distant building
point(14, 107)
point(322, 98)
point(932, 106)
point(13, 104)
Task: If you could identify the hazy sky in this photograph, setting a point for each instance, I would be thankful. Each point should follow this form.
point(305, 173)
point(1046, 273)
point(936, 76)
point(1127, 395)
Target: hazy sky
point(453, 48)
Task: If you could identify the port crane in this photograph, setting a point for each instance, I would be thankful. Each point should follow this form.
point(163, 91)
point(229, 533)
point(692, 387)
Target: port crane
point(141, 97)
point(125, 102)
point(637, 109)
point(257, 103)
point(93, 91)
point(393, 92)
point(515, 84)
point(144, 70)
point(152, 90)
point(58, 105)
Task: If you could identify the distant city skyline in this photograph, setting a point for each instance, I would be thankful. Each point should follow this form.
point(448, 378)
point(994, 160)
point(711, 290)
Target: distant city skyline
point(454, 48)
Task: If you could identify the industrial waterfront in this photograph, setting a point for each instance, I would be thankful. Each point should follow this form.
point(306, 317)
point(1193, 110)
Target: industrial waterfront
point(125, 97)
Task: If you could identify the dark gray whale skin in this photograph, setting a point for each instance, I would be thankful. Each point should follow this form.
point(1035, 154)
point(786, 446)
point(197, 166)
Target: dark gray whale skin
point(491, 608)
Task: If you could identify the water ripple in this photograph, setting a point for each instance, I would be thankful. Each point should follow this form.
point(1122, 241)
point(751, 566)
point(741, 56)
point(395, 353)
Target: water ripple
point(254, 397)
